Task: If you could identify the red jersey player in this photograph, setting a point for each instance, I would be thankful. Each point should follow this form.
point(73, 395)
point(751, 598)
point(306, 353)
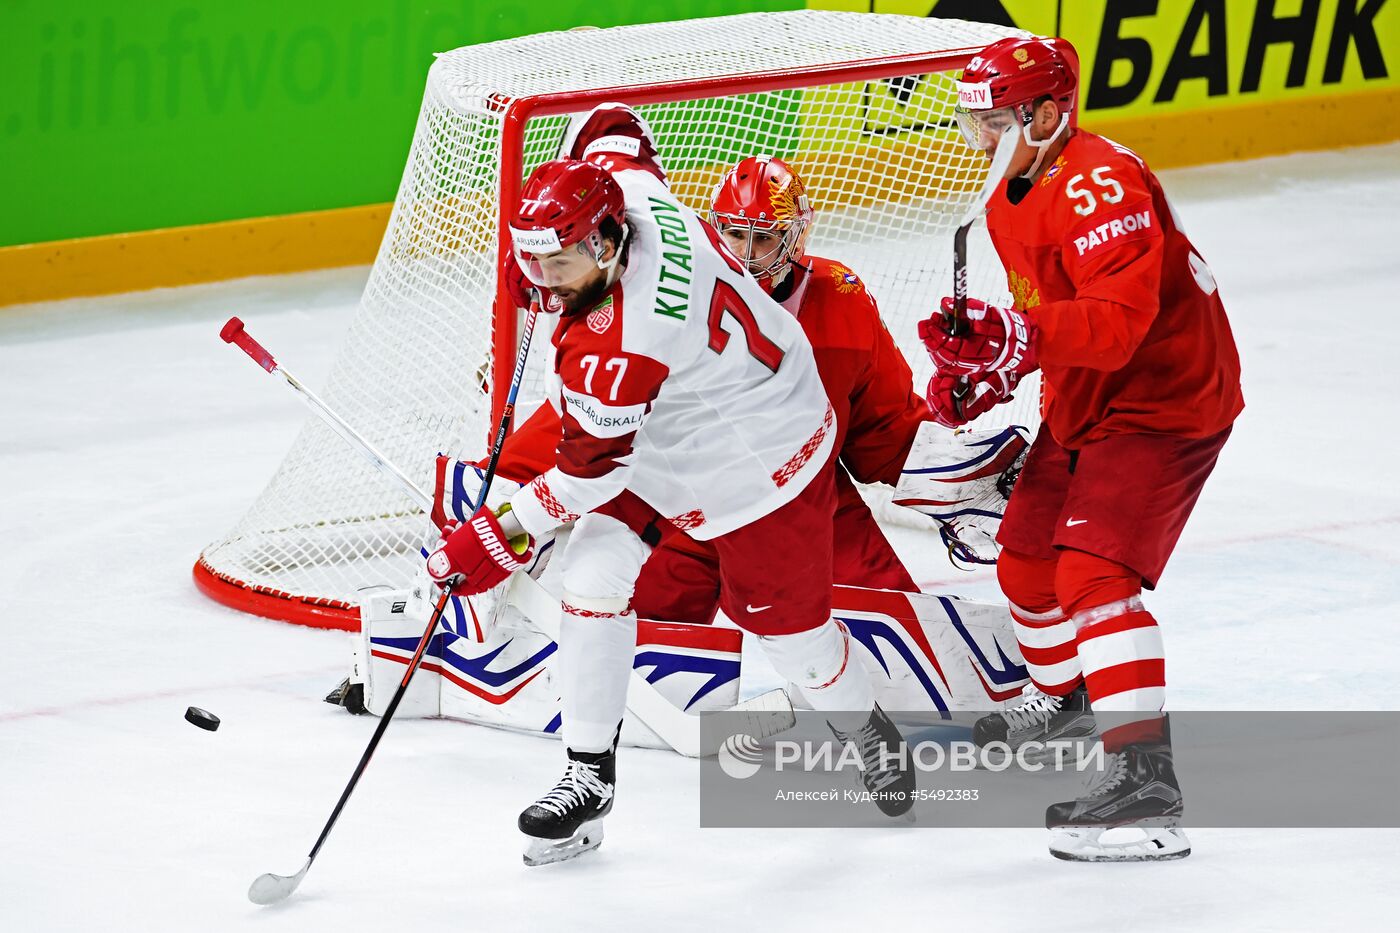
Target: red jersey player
point(761, 212)
point(1141, 380)
point(691, 401)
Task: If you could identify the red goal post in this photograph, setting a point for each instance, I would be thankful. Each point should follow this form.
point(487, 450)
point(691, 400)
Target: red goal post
point(859, 104)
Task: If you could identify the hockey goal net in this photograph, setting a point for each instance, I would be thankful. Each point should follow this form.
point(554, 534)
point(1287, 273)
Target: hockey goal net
point(861, 105)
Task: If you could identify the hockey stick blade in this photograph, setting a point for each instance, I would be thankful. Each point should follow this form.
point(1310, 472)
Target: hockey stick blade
point(269, 888)
point(273, 889)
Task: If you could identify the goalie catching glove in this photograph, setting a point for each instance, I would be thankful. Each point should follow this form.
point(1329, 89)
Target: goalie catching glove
point(475, 556)
point(963, 480)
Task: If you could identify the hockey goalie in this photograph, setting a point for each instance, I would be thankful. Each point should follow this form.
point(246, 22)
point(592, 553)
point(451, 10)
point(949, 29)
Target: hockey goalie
point(717, 395)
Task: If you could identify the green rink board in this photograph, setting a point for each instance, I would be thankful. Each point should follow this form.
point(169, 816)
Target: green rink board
point(120, 116)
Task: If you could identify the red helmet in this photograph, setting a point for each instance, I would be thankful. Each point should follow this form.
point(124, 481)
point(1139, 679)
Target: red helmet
point(1005, 80)
point(563, 204)
point(762, 193)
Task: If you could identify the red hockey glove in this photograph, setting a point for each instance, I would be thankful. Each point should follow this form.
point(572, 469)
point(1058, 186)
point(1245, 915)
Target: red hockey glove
point(994, 340)
point(519, 287)
point(954, 403)
point(472, 558)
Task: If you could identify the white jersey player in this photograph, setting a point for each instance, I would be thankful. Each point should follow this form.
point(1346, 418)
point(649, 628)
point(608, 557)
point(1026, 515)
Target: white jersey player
point(690, 400)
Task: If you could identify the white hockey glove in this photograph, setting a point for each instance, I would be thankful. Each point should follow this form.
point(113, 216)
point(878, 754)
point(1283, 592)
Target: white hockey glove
point(963, 479)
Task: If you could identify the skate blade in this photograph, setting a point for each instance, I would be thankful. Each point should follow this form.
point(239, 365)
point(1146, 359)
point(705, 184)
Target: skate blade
point(1151, 844)
point(548, 851)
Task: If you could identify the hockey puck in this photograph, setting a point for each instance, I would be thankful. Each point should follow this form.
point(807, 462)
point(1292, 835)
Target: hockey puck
point(202, 718)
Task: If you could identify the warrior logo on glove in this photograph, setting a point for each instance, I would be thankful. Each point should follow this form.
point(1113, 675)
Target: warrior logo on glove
point(475, 557)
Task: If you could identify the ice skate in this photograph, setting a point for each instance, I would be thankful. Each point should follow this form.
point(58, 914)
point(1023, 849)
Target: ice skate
point(1041, 718)
point(568, 821)
point(1131, 812)
point(890, 782)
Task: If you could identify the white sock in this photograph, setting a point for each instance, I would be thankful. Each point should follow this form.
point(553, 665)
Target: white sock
point(822, 663)
point(596, 650)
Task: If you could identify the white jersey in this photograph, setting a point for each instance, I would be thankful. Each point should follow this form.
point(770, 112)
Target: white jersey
point(686, 384)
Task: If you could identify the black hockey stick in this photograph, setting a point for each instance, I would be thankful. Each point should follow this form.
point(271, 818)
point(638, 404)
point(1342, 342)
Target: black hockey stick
point(956, 322)
point(508, 412)
point(765, 715)
point(270, 888)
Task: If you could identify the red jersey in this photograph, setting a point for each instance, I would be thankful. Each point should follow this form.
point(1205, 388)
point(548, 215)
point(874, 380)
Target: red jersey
point(1133, 336)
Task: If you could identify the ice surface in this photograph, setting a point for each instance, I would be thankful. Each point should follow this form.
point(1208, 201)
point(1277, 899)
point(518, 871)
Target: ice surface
point(130, 437)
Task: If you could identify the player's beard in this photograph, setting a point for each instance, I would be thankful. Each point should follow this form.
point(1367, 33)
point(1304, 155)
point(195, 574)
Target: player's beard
point(581, 299)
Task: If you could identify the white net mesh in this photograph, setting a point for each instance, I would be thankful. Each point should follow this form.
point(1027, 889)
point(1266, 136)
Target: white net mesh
point(888, 175)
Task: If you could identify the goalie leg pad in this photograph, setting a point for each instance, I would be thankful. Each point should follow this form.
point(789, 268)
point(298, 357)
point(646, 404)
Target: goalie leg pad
point(391, 623)
point(598, 629)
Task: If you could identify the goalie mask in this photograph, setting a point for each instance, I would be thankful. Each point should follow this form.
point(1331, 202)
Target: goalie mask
point(1000, 87)
point(556, 232)
point(761, 209)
